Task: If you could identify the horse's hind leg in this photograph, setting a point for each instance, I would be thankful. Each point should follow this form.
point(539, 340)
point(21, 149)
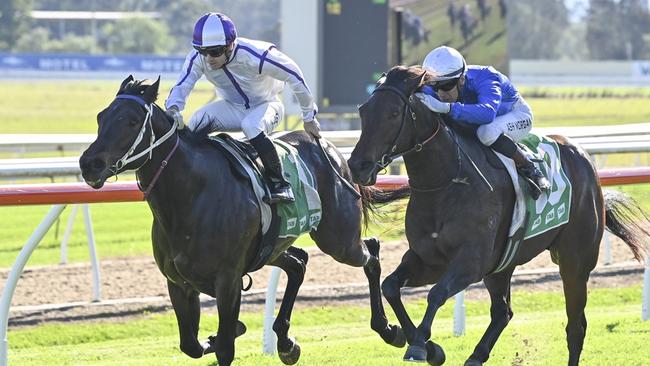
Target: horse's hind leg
point(391, 334)
point(339, 236)
point(293, 262)
point(498, 285)
point(574, 270)
point(577, 249)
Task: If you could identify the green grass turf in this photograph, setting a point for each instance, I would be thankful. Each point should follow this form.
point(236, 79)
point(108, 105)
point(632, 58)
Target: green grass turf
point(342, 336)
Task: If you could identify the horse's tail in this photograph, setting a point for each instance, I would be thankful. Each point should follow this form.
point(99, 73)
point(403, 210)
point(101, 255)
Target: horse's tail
point(372, 198)
point(627, 220)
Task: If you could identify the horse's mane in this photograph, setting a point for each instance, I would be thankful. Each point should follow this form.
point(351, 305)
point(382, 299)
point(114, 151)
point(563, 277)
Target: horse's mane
point(197, 136)
point(412, 77)
point(137, 87)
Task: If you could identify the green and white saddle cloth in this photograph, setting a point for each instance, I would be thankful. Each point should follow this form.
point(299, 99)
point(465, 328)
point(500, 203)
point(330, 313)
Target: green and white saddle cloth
point(297, 217)
point(552, 207)
point(304, 214)
point(534, 217)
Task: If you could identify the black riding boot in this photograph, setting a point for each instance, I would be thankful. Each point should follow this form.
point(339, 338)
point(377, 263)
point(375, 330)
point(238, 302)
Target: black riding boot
point(279, 187)
point(537, 182)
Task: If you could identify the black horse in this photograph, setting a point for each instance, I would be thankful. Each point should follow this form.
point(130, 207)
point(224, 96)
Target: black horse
point(206, 219)
point(457, 227)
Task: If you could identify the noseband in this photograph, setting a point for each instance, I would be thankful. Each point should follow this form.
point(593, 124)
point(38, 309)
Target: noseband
point(407, 110)
point(153, 143)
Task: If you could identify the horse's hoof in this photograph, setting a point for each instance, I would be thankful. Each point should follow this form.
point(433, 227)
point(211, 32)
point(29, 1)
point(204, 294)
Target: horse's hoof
point(473, 362)
point(415, 354)
point(435, 354)
point(209, 347)
point(397, 337)
point(291, 356)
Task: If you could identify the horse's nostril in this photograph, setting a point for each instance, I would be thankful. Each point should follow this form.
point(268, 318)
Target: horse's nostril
point(89, 164)
point(97, 164)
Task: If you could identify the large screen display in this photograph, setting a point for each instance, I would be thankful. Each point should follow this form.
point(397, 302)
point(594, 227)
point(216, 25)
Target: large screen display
point(476, 28)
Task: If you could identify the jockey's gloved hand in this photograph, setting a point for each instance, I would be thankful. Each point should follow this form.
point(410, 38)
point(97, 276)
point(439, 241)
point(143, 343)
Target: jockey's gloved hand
point(312, 127)
point(433, 103)
point(174, 114)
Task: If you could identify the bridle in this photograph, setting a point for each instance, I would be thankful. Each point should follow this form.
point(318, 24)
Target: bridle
point(407, 110)
point(130, 154)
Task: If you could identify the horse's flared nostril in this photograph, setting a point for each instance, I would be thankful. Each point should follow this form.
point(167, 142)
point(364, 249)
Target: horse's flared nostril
point(91, 165)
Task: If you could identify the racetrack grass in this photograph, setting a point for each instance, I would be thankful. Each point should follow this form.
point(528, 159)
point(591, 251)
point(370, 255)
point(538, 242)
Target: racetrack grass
point(342, 336)
point(549, 112)
point(72, 106)
point(123, 230)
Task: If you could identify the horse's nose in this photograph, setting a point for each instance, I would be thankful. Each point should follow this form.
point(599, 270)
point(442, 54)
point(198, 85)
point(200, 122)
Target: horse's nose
point(360, 169)
point(91, 166)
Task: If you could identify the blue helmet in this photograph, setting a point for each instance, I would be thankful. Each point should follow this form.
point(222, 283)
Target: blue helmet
point(213, 29)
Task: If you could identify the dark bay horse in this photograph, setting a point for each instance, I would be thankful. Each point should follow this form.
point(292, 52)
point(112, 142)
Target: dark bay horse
point(206, 219)
point(457, 227)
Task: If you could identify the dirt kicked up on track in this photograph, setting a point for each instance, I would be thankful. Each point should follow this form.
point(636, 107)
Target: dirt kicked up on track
point(131, 287)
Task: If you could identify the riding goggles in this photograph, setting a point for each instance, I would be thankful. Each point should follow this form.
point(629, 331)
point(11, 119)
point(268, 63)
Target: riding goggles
point(446, 85)
point(215, 51)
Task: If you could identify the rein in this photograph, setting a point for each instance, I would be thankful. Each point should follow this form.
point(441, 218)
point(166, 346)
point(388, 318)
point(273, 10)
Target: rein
point(389, 156)
point(129, 156)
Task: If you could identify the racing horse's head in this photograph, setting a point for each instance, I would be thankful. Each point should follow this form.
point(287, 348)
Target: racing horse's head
point(126, 134)
point(388, 123)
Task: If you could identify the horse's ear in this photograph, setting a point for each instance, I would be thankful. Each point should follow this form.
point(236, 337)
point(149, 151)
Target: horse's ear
point(423, 78)
point(125, 83)
point(151, 93)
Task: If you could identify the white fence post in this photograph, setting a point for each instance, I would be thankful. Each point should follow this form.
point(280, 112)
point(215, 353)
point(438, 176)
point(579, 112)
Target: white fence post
point(66, 235)
point(645, 307)
point(269, 338)
point(17, 270)
point(459, 314)
point(93, 253)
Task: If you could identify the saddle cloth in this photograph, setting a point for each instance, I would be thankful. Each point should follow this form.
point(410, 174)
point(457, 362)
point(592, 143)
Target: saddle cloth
point(297, 217)
point(531, 218)
point(552, 207)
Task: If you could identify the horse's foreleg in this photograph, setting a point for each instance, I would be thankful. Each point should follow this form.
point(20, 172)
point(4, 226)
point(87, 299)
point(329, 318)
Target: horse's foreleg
point(498, 285)
point(228, 293)
point(187, 307)
point(391, 334)
point(293, 262)
point(460, 274)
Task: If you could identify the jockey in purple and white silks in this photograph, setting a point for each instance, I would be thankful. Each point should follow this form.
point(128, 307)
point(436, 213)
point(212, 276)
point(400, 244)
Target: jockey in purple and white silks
point(482, 96)
point(248, 76)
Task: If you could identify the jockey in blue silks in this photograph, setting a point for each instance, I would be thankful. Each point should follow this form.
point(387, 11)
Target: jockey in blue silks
point(482, 96)
point(248, 76)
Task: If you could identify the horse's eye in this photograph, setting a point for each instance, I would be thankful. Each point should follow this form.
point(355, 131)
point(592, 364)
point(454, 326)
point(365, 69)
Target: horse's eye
point(133, 122)
point(395, 113)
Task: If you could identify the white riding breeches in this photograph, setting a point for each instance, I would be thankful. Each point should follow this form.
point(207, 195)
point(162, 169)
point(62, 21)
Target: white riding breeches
point(224, 116)
point(516, 124)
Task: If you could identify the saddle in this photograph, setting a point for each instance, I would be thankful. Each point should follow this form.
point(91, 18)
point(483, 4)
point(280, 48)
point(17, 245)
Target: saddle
point(280, 220)
point(248, 153)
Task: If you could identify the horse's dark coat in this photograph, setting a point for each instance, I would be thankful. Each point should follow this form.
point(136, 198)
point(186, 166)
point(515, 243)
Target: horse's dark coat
point(206, 221)
point(457, 232)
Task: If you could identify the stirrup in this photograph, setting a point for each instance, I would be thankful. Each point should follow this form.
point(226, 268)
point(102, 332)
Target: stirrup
point(281, 195)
